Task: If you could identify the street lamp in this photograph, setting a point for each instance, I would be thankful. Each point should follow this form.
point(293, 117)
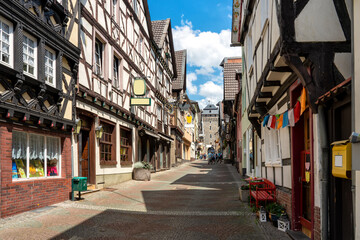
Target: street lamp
point(99, 132)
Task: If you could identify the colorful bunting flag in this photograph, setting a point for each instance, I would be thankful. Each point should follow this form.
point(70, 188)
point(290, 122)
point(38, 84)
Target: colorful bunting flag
point(303, 101)
point(280, 121)
point(266, 119)
point(285, 119)
point(273, 122)
point(291, 117)
point(269, 122)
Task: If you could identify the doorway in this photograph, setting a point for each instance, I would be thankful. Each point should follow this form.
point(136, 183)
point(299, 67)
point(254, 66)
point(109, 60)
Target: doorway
point(86, 149)
point(84, 154)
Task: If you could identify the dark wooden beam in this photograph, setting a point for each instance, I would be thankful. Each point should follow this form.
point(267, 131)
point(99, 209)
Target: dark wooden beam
point(265, 95)
point(272, 83)
point(344, 18)
point(299, 6)
point(310, 47)
point(255, 122)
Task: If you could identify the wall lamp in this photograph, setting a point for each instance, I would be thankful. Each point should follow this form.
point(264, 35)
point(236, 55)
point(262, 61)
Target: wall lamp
point(77, 126)
point(99, 132)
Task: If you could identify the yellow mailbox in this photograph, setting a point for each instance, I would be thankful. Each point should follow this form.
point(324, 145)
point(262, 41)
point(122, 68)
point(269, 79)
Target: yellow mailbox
point(341, 159)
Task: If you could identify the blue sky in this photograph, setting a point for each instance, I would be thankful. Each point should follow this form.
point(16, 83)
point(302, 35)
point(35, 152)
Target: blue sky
point(203, 28)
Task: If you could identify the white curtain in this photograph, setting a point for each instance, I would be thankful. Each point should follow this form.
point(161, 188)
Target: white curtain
point(19, 145)
point(36, 145)
point(52, 145)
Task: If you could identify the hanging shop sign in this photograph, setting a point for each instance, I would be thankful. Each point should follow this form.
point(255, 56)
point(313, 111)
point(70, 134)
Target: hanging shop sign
point(189, 123)
point(236, 22)
point(139, 90)
point(288, 118)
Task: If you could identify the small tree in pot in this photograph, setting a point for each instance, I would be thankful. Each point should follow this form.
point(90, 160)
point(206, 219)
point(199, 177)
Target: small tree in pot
point(142, 171)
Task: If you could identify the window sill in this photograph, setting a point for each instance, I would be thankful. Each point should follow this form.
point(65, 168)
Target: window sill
point(15, 180)
point(108, 163)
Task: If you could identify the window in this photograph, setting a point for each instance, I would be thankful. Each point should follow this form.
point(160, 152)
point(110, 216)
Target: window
point(160, 76)
point(107, 145)
point(98, 57)
point(210, 127)
point(114, 10)
point(50, 67)
point(272, 143)
point(116, 72)
point(158, 112)
point(167, 84)
point(125, 148)
point(29, 55)
point(210, 136)
point(5, 41)
point(35, 156)
point(135, 6)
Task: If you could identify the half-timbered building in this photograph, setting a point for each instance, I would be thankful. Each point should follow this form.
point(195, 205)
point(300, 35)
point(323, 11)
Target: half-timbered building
point(177, 120)
point(38, 71)
point(117, 47)
point(290, 46)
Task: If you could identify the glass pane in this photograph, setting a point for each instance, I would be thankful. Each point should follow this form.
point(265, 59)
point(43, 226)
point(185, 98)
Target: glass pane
point(31, 43)
point(52, 156)
point(31, 70)
point(36, 155)
point(5, 28)
point(25, 67)
point(19, 155)
point(5, 58)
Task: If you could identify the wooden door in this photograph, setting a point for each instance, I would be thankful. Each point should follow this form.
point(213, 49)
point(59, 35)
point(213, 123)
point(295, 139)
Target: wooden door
point(84, 154)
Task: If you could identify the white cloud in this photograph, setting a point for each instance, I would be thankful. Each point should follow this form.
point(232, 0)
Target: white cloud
point(212, 92)
point(190, 87)
point(204, 49)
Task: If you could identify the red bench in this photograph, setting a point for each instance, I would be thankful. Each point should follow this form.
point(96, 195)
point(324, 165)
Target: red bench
point(265, 191)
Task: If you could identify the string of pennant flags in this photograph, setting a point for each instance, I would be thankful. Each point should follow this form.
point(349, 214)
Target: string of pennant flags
point(288, 118)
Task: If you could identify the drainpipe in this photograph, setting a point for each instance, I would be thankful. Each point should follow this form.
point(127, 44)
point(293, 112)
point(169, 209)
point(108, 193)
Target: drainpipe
point(323, 171)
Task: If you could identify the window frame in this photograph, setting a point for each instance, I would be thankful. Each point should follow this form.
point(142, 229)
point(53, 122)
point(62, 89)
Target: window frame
point(116, 75)
point(111, 143)
point(11, 42)
point(28, 178)
point(101, 57)
point(54, 67)
point(272, 143)
point(29, 36)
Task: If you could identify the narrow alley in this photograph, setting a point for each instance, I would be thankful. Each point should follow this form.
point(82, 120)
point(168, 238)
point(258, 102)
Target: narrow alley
point(192, 201)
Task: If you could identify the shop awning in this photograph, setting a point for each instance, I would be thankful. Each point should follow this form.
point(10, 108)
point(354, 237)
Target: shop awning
point(151, 134)
point(167, 138)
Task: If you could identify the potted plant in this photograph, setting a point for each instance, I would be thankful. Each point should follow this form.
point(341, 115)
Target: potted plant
point(142, 171)
point(275, 210)
point(244, 192)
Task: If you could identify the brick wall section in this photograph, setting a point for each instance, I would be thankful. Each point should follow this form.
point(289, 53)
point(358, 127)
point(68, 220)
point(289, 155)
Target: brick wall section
point(283, 197)
point(317, 224)
point(21, 196)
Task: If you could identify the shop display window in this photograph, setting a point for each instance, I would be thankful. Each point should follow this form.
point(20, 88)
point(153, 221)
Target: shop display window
point(125, 148)
point(28, 156)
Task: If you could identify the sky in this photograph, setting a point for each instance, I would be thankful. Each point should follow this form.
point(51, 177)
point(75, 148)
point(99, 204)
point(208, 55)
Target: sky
point(203, 29)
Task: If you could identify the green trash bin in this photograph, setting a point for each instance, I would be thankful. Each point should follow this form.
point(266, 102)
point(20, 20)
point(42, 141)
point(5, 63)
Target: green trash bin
point(78, 184)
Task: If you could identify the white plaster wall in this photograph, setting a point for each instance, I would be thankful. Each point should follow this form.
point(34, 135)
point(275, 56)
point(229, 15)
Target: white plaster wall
point(343, 63)
point(275, 30)
point(263, 172)
point(278, 176)
point(82, 76)
point(287, 176)
point(270, 174)
point(318, 22)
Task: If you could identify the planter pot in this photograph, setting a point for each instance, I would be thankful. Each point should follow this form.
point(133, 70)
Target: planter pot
point(142, 174)
point(244, 195)
point(274, 219)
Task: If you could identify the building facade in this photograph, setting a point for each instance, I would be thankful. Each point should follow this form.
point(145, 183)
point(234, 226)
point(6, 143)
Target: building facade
point(297, 63)
point(119, 45)
point(210, 118)
point(38, 65)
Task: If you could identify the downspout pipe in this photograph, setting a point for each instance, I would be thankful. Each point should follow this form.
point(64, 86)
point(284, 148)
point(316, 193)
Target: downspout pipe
point(323, 171)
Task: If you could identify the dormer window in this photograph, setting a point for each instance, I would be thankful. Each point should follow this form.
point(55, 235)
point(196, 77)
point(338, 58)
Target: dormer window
point(50, 67)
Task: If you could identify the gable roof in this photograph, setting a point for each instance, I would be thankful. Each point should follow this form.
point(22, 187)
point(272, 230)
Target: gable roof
point(231, 85)
point(179, 83)
point(161, 28)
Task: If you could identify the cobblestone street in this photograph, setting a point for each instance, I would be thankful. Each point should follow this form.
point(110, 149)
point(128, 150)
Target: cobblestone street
point(193, 201)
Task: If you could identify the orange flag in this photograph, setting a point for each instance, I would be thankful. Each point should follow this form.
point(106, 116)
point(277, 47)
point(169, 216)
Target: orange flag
point(303, 101)
point(280, 121)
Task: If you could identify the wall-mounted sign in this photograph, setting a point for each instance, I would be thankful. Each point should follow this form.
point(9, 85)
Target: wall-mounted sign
point(139, 89)
point(188, 119)
point(236, 22)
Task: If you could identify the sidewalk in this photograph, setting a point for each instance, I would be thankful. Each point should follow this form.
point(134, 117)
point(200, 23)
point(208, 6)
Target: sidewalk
point(192, 201)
